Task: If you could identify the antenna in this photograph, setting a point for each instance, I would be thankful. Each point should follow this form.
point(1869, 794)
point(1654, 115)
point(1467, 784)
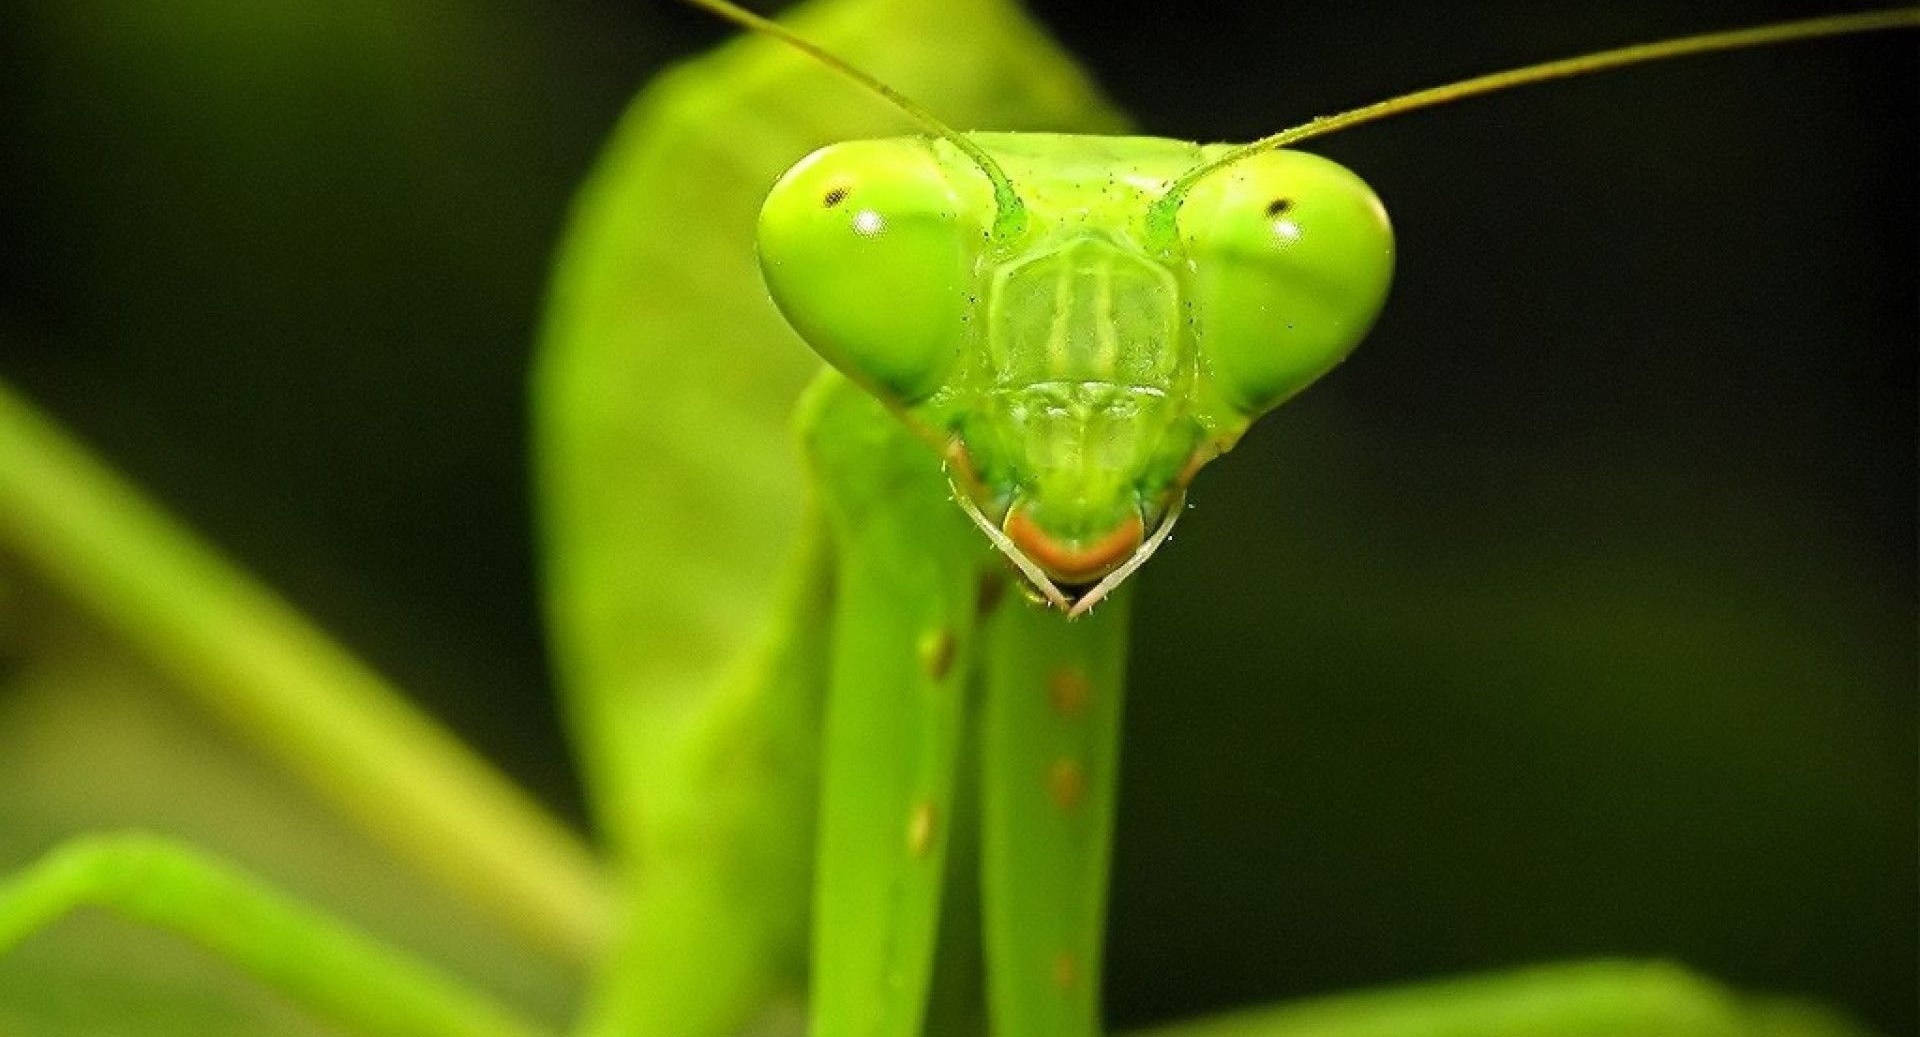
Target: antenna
point(1009, 210)
point(1160, 220)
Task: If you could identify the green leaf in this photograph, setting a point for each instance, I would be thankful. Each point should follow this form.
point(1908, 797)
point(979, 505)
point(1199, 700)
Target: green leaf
point(1581, 999)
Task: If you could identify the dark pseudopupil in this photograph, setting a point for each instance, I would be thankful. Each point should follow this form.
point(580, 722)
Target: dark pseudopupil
point(1279, 206)
point(834, 197)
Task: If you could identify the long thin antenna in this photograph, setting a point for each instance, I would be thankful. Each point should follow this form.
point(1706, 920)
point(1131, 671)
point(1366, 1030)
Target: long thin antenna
point(1161, 218)
point(1010, 211)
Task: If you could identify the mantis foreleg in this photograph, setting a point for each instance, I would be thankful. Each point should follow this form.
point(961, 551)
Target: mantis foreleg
point(1049, 753)
point(906, 587)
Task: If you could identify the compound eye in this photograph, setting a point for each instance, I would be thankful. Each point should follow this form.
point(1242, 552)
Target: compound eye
point(1290, 258)
point(870, 253)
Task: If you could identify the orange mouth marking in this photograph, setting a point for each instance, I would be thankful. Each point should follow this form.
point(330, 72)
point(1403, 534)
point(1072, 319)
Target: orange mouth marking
point(1075, 564)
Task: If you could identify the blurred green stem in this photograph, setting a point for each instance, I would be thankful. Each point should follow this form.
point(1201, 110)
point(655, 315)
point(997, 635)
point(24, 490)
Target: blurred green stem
point(1577, 999)
point(336, 972)
point(250, 658)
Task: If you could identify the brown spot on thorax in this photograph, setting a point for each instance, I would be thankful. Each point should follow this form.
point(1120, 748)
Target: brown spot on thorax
point(1066, 783)
point(1066, 970)
point(993, 587)
point(1069, 691)
point(937, 649)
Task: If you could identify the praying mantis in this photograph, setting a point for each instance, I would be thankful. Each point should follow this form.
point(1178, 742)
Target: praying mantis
point(680, 769)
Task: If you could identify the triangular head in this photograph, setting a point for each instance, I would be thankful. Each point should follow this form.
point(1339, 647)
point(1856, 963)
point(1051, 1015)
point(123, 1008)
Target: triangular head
point(1076, 364)
point(1078, 324)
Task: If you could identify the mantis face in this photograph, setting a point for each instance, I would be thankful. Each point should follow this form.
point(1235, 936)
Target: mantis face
point(1075, 366)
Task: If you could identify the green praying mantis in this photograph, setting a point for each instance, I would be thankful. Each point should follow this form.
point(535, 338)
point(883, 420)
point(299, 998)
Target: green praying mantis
point(1029, 378)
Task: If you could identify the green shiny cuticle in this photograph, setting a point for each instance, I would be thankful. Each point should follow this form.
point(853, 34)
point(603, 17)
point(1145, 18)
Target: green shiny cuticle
point(870, 256)
point(1084, 371)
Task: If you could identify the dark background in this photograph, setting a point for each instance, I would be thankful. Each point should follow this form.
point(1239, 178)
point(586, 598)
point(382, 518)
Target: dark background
point(1575, 615)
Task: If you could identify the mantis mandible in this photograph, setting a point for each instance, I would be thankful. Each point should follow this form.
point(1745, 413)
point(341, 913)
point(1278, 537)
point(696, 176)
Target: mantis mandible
point(1040, 340)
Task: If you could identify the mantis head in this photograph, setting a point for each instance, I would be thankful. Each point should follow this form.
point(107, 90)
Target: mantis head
point(1076, 348)
point(1079, 324)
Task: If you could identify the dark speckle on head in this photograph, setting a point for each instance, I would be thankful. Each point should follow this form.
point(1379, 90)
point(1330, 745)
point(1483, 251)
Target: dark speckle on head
point(1279, 206)
point(835, 195)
